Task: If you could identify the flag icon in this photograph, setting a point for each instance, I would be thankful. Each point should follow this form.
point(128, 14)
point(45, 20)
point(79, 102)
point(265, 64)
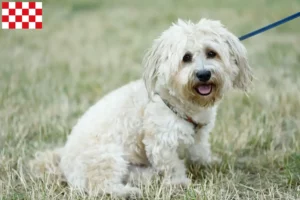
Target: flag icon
point(22, 15)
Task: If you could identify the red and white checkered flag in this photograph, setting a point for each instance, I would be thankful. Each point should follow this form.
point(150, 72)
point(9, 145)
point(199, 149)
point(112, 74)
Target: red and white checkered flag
point(22, 15)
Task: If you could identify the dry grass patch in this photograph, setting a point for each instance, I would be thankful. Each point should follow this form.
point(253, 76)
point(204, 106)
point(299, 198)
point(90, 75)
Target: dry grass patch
point(48, 78)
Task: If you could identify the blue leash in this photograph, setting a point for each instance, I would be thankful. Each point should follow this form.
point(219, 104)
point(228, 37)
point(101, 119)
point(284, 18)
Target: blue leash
point(273, 25)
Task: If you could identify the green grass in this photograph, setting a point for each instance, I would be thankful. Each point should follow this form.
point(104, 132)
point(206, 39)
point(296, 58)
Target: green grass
point(49, 77)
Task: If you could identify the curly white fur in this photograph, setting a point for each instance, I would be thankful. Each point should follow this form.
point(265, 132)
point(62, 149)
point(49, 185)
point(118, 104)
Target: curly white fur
point(131, 132)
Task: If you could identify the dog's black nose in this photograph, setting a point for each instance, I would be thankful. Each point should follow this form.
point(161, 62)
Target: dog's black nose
point(203, 75)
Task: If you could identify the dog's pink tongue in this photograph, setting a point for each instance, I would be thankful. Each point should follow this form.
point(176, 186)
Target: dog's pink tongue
point(204, 89)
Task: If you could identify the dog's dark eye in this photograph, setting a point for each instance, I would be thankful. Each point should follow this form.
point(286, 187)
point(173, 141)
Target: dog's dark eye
point(211, 54)
point(187, 57)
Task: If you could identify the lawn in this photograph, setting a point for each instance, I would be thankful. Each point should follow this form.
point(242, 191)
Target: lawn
point(49, 77)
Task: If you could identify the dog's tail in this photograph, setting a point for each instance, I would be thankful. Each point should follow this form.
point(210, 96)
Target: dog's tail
point(46, 165)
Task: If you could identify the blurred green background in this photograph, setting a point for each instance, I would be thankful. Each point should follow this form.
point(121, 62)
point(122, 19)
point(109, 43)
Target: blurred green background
point(49, 77)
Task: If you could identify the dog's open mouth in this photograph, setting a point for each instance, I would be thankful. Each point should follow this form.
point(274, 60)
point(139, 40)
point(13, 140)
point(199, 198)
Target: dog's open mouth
point(204, 89)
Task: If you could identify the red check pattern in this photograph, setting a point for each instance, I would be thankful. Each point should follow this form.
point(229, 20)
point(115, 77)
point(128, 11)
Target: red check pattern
point(22, 15)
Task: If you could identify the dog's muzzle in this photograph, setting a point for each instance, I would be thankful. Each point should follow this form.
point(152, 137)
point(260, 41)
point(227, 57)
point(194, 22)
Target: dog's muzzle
point(203, 75)
point(204, 88)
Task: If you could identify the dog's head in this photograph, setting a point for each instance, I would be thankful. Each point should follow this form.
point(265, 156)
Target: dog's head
point(197, 63)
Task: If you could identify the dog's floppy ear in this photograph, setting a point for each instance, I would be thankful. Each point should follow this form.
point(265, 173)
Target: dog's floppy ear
point(238, 51)
point(151, 63)
point(163, 58)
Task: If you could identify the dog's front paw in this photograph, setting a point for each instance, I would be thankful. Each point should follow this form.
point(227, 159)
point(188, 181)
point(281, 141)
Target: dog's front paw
point(207, 161)
point(177, 181)
point(215, 160)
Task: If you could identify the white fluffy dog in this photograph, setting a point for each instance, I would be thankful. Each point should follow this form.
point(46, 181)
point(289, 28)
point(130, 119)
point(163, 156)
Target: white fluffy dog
point(149, 126)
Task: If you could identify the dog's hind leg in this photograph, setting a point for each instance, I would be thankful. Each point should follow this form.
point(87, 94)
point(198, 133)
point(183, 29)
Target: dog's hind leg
point(98, 169)
point(140, 175)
